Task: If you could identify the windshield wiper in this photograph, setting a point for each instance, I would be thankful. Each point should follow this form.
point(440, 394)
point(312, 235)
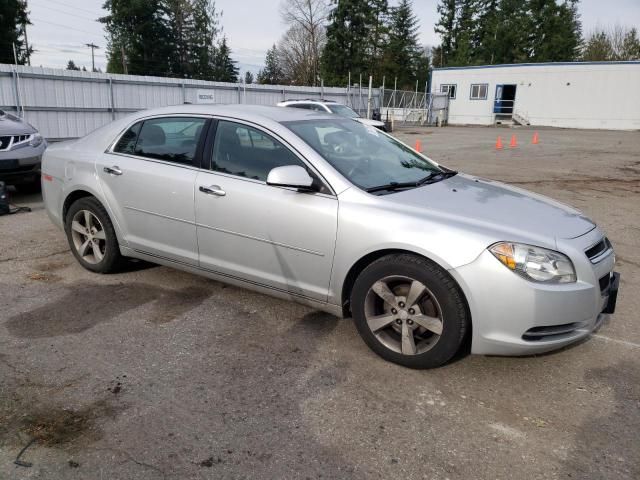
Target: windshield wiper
point(436, 177)
point(391, 186)
point(431, 178)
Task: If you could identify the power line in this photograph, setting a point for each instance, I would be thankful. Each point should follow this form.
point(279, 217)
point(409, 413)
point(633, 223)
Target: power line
point(67, 27)
point(67, 13)
point(74, 7)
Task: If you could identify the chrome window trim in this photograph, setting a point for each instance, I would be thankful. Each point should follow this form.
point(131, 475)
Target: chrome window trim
point(110, 151)
point(281, 140)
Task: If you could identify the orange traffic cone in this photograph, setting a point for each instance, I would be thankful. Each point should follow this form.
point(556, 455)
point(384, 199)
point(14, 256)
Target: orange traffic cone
point(514, 142)
point(535, 139)
point(499, 143)
point(418, 147)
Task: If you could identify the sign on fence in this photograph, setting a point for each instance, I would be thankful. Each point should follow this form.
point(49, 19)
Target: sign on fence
point(205, 96)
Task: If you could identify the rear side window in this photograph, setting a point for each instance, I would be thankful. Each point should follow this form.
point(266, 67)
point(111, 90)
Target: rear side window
point(127, 142)
point(247, 152)
point(173, 139)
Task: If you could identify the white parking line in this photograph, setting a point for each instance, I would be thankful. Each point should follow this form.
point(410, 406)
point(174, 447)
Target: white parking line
point(614, 340)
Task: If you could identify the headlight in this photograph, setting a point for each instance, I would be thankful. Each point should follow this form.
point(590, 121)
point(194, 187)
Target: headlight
point(36, 140)
point(535, 263)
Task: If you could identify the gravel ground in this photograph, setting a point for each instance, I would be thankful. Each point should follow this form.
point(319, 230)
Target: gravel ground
point(158, 374)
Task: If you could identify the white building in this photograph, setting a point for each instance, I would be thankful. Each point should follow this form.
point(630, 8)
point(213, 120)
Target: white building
point(603, 95)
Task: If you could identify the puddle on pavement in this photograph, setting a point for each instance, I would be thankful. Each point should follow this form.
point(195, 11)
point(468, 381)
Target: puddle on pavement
point(85, 306)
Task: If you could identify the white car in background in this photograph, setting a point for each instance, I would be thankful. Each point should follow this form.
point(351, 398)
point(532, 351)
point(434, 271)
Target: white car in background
point(329, 106)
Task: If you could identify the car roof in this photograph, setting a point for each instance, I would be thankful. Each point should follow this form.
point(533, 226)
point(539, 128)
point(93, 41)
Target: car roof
point(309, 100)
point(254, 113)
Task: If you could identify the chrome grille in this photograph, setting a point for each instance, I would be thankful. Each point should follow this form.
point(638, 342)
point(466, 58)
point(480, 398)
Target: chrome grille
point(8, 141)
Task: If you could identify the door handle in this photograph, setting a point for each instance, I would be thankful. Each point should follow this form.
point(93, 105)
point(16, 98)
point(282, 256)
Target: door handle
point(213, 190)
point(115, 170)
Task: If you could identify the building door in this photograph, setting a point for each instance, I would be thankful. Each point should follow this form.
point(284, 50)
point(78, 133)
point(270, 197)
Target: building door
point(505, 99)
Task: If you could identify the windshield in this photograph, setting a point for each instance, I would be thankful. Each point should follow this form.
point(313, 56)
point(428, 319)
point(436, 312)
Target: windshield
point(343, 111)
point(364, 155)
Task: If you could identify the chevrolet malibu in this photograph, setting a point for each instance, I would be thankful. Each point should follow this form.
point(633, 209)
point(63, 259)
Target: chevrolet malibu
point(340, 216)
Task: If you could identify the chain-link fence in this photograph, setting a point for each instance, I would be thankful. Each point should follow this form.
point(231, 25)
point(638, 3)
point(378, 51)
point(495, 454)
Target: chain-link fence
point(405, 107)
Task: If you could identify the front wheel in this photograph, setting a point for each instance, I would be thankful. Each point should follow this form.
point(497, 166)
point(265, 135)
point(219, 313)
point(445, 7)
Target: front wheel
point(409, 311)
point(91, 236)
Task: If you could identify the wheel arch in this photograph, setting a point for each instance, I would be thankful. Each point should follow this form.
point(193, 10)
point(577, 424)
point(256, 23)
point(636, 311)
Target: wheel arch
point(366, 260)
point(73, 197)
point(83, 192)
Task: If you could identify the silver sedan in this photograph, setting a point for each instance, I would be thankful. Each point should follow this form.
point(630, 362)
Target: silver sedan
point(340, 216)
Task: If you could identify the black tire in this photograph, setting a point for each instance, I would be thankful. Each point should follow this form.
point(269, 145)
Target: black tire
point(450, 300)
point(112, 260)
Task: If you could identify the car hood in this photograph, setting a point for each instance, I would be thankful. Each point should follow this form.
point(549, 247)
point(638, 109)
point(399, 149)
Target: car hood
point(497, 206)
point(373, 123)
point(11, 125)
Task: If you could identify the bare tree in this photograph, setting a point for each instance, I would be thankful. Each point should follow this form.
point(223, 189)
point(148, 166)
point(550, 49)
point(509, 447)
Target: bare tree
point(306, 21)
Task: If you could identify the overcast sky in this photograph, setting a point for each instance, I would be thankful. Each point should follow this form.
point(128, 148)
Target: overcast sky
point(61, 28)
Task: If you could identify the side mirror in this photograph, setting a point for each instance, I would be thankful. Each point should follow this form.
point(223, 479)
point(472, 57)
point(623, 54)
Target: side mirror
point(291, 176)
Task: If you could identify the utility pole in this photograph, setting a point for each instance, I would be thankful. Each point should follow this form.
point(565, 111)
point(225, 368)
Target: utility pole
point(93, 60)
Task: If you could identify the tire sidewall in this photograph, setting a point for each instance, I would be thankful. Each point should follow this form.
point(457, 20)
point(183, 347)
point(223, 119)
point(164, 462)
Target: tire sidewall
point(439, 283)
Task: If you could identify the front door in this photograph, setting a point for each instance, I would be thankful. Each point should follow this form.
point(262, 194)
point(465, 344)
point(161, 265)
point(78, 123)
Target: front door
point(505, 99)
point(272, 236)
point(148, 180)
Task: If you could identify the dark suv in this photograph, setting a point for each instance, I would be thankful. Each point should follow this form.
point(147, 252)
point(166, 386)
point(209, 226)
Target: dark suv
point(21, 148)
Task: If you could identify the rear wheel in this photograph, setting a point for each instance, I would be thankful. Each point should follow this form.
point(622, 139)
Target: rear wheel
point(409, 311)
point(91, 236)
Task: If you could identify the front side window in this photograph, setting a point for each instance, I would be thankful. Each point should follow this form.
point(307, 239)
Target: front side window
point(479, 91)
point(247, 152)
point(450, 89)
point(173, 139)
point(366, 157)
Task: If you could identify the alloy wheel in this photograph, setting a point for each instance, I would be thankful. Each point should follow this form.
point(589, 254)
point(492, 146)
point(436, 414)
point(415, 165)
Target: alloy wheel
point(403, 315)
point(89, 237)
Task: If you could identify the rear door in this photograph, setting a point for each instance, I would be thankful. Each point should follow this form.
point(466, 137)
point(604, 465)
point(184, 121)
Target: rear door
point(273, 236)
point(148, 178)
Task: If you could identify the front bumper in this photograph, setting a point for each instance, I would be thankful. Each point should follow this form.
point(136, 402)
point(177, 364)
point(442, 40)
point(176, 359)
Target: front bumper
point(513, 316)
point(22, 164)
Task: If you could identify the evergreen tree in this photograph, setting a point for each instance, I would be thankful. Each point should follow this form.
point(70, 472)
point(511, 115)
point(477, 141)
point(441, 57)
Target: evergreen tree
point(350, 23)
point(72, 65)
point(271, 74)
point(13, 18)
point(202, 38)
point(378, 37)
point(597, 47)
point(486, 32)
point(135, 27)
point(248, 77)
point(555, 31)
point(512, 33)
point(402, 52)
point(630, 46)
point(445, 28)
point(464, 33)
point(224, 69)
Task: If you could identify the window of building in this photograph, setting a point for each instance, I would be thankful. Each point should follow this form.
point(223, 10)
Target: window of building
point(479, 91)
point(173, 139)
point(248, 152)
point(449, 88)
